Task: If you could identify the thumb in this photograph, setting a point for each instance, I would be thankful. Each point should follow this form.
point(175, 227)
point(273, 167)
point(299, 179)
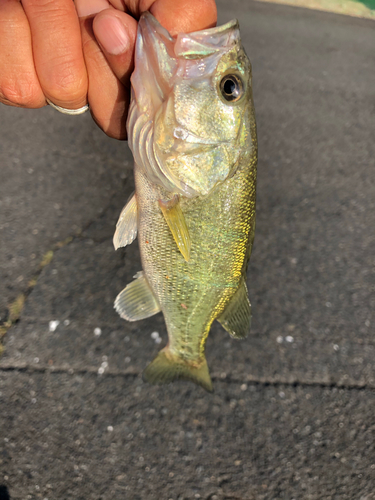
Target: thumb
point(115, 32)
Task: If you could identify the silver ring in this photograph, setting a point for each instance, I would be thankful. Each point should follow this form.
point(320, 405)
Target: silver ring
point(66, 111)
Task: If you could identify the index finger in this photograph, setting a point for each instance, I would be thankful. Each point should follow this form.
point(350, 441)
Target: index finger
point(182, 16)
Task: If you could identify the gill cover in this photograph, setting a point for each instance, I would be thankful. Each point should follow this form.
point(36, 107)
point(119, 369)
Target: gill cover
point(183, 134)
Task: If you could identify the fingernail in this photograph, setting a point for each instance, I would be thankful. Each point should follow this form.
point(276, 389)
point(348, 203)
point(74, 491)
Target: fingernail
point(111, 34)
point(87, 8)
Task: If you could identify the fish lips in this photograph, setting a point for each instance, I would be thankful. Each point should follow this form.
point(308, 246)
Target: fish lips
point(157, 53)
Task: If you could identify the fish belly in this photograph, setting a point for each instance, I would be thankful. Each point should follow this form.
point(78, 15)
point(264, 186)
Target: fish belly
point(192, 294)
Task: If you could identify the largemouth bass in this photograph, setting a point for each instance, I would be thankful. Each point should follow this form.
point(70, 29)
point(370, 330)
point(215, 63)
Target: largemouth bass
point(191, 128)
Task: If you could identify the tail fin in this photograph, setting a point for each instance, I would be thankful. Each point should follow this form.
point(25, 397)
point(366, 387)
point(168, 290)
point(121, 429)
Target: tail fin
point(167, 367)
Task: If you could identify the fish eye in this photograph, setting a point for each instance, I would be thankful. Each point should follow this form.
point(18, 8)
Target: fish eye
point(231, 88)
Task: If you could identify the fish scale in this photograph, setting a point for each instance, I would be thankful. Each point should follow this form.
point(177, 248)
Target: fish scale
point(175, 281)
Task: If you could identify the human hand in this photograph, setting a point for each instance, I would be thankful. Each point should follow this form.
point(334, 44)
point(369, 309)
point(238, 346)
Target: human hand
point(74, 53)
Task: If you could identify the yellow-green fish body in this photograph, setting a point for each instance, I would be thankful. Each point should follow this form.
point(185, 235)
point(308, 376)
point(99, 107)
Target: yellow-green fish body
point(192, 131)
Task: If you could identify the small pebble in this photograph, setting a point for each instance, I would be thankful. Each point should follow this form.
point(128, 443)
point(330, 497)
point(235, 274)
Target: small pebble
point(97, 331)
point(289, 338)
point(53, 325)
point(155, 335)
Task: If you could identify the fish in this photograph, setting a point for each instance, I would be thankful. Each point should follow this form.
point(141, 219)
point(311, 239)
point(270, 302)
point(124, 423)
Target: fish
point(192, 131)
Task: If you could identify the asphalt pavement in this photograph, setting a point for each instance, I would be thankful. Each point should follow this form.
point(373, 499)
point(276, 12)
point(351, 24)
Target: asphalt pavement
point(292, 415)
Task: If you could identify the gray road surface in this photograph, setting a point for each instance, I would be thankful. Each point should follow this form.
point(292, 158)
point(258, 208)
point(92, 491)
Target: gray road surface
point(292, 416)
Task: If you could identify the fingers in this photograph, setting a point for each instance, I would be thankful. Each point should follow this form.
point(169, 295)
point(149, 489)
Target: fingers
point(116, 32)
point(182, 16)
point(42, 53)
point(19, 84)
point(109, 60)
point(57, 50)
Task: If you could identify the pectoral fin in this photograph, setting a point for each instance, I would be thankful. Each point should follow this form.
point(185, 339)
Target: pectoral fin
point(126, 227)
point(236, 318)
point(137, 301)
point(176, 221)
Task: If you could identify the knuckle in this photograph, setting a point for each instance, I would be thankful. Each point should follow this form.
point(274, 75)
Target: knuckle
point(50, 10)
point(67, 82)
point(21, 92)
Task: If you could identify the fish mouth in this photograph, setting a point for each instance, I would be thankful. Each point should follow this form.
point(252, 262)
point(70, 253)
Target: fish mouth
point(165, 50)
point(192, 45)
point(204, 43)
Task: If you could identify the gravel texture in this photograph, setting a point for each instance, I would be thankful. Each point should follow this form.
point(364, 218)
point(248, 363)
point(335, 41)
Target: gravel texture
point(292, 412)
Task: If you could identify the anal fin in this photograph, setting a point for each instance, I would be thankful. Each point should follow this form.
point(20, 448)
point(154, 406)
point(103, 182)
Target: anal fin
point(126, 227)
point(136, 301)
point(236, 318)
point(176, 222)
point(167, 367)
